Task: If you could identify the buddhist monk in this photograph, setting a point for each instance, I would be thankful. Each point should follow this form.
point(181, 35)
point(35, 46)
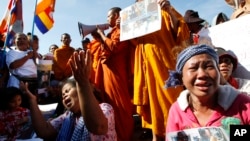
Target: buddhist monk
point(62, 55)
point(113, 76)
point(153, 58)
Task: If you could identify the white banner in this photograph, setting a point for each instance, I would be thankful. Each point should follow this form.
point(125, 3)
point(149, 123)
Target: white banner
point(233, 35)
point(140, 19)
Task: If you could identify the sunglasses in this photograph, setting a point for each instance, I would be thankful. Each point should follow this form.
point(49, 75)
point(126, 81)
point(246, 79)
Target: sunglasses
point(225, 60)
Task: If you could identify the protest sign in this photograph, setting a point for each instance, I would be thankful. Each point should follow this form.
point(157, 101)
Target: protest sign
point(44, 68)
point(139, 19)
point(199, 134)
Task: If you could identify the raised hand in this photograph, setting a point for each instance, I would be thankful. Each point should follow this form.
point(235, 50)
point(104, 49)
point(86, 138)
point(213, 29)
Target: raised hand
point(81, 65)
point(25, 88)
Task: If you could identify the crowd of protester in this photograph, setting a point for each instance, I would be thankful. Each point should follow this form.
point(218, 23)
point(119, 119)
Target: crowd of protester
point(101, 86)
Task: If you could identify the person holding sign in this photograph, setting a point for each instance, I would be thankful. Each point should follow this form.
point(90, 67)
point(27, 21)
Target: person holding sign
point(113, 75)
point(153, 58)
point(204, 102)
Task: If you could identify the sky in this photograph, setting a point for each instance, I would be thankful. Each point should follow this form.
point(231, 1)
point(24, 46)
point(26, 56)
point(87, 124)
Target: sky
point(91, 12)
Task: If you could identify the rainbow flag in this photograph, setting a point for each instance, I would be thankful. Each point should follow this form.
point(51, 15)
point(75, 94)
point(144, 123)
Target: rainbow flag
point(12, 21)
point(44, 15)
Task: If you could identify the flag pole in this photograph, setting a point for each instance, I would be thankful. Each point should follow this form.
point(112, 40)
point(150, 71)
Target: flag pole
point(33, 24)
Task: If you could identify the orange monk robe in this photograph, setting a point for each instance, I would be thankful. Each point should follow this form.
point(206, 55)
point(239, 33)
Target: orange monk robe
point(113, 74)
point(61, 65)
point(153, 60)
point(95, 48)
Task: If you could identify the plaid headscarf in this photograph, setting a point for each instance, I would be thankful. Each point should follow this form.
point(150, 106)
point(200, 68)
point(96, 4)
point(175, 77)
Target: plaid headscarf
point(175, 76)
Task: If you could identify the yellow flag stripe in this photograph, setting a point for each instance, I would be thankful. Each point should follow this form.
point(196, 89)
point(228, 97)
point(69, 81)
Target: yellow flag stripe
point(46, 20)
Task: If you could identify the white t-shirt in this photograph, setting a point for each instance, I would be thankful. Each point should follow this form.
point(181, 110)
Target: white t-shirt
point(28, 69)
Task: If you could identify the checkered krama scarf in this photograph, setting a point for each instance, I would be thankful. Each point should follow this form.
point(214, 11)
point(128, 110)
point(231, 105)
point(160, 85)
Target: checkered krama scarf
point(183, 57)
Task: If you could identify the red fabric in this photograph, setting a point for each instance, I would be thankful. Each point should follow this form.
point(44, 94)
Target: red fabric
point(8, 121)
point(13, 18)
point(238, 113)
point(233, 82)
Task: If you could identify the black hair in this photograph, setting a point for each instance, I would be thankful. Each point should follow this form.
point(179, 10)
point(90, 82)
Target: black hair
point(53, 45)
point(116, 10)
point(86, 40)
point(7, 95)
point(70, 81)
point(34, 37)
